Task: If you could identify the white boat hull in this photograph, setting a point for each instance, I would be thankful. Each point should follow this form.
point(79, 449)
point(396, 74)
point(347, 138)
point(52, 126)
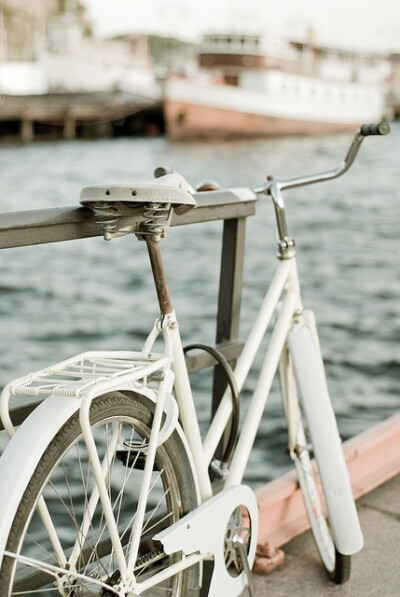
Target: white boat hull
point(281, 105)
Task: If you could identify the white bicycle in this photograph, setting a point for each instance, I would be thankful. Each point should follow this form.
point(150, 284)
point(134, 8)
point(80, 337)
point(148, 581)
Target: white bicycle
point(107, 487)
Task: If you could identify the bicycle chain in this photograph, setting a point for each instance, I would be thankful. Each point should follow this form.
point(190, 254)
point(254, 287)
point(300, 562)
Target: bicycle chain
point(149, 558)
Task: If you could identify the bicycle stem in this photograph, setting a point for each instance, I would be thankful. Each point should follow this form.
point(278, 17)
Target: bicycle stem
point(286, 244)
point(274, 188)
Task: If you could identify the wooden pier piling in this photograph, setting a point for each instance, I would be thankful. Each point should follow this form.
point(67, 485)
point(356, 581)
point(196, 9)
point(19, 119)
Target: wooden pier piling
point(70, 115)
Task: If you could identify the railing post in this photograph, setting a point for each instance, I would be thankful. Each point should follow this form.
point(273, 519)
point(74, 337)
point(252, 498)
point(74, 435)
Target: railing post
point(27, 130)
point(229, 297)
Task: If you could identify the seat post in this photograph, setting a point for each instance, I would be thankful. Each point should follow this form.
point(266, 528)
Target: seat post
point(160, 278)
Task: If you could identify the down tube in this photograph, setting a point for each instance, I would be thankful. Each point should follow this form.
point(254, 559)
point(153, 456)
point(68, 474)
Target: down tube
point(245, 361)
point(262, 390)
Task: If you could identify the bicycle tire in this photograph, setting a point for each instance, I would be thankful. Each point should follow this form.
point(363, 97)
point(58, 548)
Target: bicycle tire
point(64, 477)
point(336, 564)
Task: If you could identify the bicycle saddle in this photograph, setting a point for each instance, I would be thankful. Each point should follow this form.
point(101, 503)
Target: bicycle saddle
point(119, 200)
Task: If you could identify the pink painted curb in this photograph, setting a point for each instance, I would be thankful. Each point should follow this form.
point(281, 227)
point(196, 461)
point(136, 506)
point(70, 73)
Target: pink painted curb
point(372, 457)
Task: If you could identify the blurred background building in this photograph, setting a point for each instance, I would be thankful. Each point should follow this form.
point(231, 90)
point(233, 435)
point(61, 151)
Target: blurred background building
point(58, 77)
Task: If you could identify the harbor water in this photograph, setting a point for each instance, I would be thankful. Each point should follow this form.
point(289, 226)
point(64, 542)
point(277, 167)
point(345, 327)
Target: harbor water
point(62, 299)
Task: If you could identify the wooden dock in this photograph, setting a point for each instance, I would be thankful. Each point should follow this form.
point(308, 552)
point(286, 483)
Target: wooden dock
point(71, 115)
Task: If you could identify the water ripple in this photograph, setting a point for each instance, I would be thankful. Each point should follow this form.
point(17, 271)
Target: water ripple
point(59, 300)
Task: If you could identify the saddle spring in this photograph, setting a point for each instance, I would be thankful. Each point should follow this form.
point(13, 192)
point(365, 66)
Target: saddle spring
point(157, 217)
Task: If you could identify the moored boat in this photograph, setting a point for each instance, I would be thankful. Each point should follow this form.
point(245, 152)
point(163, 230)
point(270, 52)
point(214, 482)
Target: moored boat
point(247, 85)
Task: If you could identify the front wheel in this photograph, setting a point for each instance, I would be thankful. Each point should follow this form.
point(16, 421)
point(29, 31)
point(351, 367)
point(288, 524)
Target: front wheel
point(337, 565)
point(301, 447)
point(60, 524)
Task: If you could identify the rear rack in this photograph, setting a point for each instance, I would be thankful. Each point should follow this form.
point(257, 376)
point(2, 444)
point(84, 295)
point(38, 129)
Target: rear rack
point(76, 375)
point(96, 370)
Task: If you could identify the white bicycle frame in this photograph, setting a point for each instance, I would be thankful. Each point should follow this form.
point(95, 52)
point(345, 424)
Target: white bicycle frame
point(284, 282)
point(283, 298)
point(284, 286)
point(294, 331)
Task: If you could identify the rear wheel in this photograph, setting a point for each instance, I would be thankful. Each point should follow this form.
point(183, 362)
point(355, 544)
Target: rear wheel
point(63, 482)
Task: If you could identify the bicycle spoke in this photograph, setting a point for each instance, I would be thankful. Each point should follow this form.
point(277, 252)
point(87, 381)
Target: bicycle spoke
point(35, 591)
point(71, 495)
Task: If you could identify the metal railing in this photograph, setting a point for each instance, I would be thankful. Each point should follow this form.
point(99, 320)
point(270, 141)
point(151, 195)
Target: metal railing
point(27, 228)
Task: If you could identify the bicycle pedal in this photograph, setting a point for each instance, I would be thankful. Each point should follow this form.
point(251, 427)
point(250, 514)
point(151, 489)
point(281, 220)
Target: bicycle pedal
point(240, 548)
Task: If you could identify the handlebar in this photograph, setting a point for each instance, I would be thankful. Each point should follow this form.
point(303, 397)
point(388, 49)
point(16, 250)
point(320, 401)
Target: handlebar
point(274, 188)
point(381, 128)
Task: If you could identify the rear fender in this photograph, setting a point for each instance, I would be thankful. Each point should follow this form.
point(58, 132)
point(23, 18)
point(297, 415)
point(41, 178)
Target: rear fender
point(26, 447)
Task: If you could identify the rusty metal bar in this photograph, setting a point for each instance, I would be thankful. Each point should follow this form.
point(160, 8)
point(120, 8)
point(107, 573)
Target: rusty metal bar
point(160, 279)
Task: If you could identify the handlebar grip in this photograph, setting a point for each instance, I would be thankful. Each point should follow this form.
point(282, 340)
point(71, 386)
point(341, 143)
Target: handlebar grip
point(380, 128)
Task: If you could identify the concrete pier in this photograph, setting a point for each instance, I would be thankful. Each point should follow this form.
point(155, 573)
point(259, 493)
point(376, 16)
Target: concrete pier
point(373, 460)
point(375, 570)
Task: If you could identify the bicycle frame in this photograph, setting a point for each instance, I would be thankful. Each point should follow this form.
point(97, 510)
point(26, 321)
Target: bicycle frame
point(283, 299)
point(285, 282)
